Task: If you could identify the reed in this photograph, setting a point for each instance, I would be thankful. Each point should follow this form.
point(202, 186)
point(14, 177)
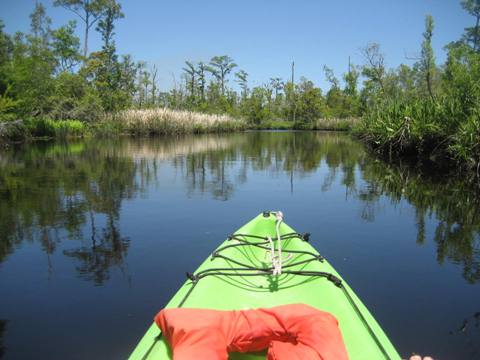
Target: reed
point(336, 124)
point(166, 121)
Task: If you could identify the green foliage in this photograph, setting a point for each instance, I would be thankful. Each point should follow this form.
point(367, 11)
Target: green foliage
point(40, 23)
point(242, 77)
point(31, 76)
point(402, 126)
point(256, 106)
point(427, 60)
point(309, 102)
point(69, 128)
point(40, 127)
point(220, 67)
point(335, 124)
point(425, 111)
point(8, 107)
point(89, 11)
point(42, 73)
point(465, 144)
point(461, 78)
point(48, 128)
point(275, 125)
point(73, 98)
point(472, 34)
point(66, 46)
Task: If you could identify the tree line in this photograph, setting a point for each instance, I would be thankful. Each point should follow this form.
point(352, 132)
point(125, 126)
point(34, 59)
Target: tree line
point(50, 73)
point(429, 110)
point(45, 73)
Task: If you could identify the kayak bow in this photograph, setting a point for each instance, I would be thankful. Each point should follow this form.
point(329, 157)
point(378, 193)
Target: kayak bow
point(266, 263)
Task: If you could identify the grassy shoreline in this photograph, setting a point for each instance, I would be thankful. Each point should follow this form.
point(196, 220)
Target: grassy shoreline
point(323, 124)
point(388, 133)
point(148, 122)
point(427, 131)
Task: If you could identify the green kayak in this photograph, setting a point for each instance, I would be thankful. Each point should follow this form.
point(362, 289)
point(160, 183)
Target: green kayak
point(239, 274)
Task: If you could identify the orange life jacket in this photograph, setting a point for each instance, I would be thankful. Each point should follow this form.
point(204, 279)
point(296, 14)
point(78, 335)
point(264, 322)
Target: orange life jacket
point(289, 332)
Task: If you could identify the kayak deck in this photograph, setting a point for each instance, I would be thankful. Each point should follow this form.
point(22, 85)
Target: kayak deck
point(238, 275)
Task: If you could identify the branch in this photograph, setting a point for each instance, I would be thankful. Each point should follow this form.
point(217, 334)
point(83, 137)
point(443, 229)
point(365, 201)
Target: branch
point(74, 11)
point(94, 21)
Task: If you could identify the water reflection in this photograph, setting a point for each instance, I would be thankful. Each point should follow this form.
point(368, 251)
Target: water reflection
point(107, 249)
point(3, 328)
point(469, 331)
point(296, 154)
point(48, 193)
point(53, 192)
point(454, 203)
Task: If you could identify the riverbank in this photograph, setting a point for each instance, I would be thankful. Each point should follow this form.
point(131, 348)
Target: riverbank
point(431, 130)
point(326, 124)
point(422, 132)
point(158, 121)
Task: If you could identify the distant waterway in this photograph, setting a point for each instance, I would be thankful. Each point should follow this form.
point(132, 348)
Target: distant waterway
point(96, 235)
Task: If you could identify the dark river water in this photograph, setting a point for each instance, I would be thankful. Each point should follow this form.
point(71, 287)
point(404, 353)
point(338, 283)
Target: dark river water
point(96, 236)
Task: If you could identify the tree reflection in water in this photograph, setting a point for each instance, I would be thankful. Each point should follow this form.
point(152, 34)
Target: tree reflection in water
point(3, 328)
point(50, 192)
point(452, 201)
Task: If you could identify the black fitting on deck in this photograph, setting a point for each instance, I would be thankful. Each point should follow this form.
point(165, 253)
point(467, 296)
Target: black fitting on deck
point(306, 237)
point(192, 277)
point(335, 280)
point(214, 255)
point(266, 214)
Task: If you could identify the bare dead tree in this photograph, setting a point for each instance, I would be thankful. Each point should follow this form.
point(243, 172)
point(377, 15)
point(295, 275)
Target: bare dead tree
point(375, 67)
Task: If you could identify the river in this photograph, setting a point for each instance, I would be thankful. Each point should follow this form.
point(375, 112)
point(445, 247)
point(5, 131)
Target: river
point(96, 235)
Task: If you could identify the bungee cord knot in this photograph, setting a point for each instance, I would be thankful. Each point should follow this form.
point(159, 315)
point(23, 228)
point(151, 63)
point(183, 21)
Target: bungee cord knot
point(276, 259)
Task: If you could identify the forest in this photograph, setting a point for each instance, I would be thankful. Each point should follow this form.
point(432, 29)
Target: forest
point(53, 85)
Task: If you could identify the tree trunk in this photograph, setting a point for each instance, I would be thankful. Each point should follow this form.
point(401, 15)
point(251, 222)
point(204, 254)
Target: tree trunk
point(293, 92)
point(475, 38)
point(429, 84)
point(87, 24)
point(222, 79)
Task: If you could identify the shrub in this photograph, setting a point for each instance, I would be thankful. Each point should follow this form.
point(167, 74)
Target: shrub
point(7, 108)
point(13, 131)
point(69, 128)
point(466, 142)
point(41, 127)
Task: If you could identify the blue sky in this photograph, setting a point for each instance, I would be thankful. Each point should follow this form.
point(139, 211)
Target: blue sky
point(264, 36)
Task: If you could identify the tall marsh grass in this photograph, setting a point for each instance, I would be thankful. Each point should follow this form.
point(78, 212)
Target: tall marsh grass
point(429, 129)
point(167, 121)
point(337, 124)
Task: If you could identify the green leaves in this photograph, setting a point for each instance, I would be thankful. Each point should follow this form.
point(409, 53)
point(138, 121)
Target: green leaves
point(66, 46)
